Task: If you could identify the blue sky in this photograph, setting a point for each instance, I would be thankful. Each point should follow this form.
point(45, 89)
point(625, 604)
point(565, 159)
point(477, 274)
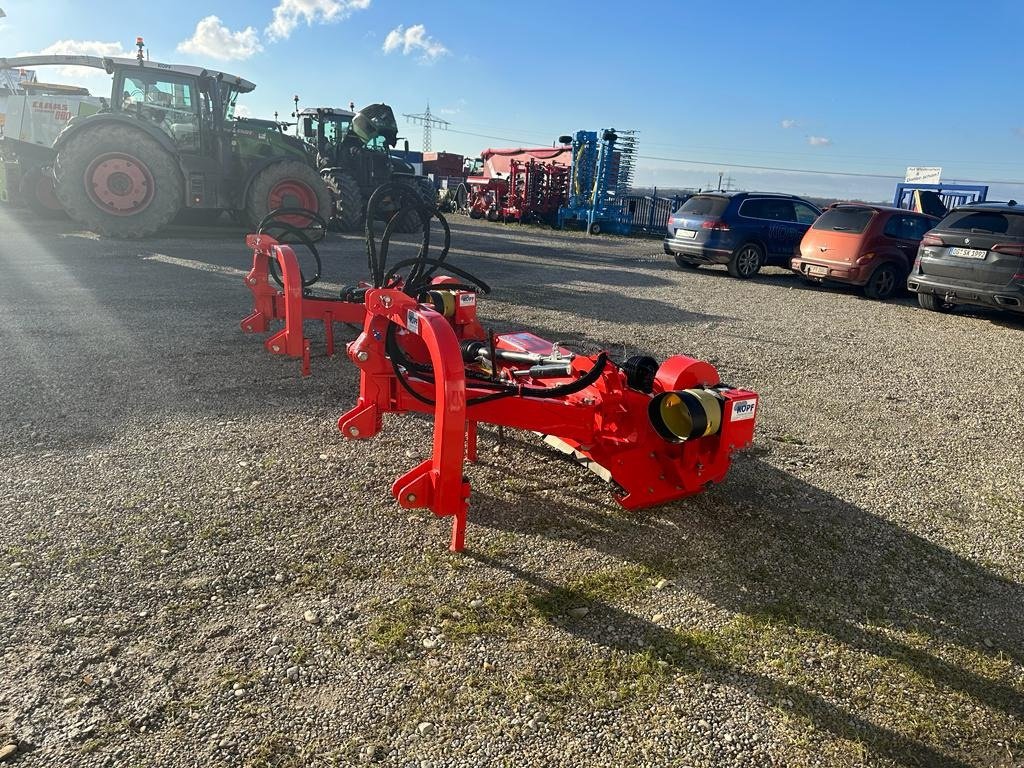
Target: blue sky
point(855, 87)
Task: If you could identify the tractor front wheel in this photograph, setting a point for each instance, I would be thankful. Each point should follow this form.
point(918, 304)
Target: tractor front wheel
point(118, 182)
point(288, 184)
point(349, 205)
point(37, 192)
point(423, 191)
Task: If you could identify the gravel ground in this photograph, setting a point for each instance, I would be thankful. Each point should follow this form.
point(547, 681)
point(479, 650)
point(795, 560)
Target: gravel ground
point(195, 570)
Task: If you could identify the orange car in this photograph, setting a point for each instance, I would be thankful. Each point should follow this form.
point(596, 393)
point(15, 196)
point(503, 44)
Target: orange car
point(872, 246)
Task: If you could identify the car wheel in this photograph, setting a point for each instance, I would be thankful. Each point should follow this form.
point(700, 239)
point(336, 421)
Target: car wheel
point(746, 261)
point(884, 282)
point(686, 263)
point(934, 303)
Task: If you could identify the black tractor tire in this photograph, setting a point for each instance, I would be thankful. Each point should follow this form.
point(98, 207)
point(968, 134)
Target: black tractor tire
point(595, 228)
point(475, 213)
point(133, 166)
point(934, 303)
point(288, 184)
point(685, 263)
point(493, 215)
point(349, 204)
point(885, 282)
point(746, 261)
point(423, 189)
point(36, 190)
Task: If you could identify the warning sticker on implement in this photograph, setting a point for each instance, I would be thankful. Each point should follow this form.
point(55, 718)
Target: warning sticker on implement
point(743, 409)
point(467, 299)
point(412, 321)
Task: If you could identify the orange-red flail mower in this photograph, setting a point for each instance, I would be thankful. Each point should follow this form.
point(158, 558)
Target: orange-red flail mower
point(656, 432)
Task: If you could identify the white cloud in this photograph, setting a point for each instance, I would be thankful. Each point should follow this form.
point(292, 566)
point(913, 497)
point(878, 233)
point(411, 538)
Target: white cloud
point(82, 48)
point(413, 39)
point(819, 141)
point(212, 39)
point(789, 123)
point(85, 76)
point(455, 110)
point(288, 14)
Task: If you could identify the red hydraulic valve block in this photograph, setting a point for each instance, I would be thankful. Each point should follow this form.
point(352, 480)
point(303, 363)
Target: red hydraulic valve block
point(658, 433)
point(290, 303)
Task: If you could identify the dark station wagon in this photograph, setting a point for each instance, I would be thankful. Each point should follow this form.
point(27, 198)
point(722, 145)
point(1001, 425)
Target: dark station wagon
point(743, 230)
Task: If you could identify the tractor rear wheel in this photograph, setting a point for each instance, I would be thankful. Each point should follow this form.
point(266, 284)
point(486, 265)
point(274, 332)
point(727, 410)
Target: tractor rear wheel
point(118, 182)
point(36, 190)
point(349, 205)
point(288, 184)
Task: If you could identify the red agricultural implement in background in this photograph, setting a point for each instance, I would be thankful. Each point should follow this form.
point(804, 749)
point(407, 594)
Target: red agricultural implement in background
point(488, 189)
point(536, 190)
point(656, 432)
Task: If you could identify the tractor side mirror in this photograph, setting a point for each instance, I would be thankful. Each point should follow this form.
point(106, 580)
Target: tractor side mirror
point(307, 127)
point(407, 146)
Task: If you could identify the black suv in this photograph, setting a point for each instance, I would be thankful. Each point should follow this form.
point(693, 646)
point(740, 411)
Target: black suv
point(743, 230)
point(973, 256)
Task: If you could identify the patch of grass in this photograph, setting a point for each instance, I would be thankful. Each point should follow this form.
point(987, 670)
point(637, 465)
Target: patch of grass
point(226, 677)
point(392, 625)
point(607, 586)
point(93, 745)
point(321, 571)
point(217, 531)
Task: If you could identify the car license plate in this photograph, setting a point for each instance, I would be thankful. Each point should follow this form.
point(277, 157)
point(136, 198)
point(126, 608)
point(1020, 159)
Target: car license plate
point(686, 234)
point(968, 253)
point(817, 271)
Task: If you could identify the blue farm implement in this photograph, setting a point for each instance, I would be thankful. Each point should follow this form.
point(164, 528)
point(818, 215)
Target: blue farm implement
point(602, 173)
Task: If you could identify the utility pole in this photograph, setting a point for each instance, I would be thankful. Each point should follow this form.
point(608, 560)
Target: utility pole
point(428, 121)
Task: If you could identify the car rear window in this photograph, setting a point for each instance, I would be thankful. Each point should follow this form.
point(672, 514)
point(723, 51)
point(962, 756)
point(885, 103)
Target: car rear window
point(996, 222)
point(852, 220)
point(705, 205)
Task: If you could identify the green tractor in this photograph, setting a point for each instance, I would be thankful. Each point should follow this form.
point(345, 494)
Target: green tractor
point(168, 143)
point(352, 151)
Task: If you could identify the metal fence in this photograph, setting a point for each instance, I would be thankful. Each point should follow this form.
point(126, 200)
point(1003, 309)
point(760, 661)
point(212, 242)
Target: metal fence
point(649, 213)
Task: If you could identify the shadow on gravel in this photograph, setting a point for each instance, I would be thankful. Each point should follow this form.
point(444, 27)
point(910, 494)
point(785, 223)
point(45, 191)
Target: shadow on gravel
point(772, 548)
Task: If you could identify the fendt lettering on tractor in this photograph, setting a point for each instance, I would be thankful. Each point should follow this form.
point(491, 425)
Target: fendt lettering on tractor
point(656, 431)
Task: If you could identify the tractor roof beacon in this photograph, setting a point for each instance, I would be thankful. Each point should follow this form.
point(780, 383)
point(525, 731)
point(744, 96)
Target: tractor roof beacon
point(352, 152)
point(169, 141)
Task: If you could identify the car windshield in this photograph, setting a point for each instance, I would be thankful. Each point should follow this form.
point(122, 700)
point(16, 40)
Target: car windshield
point(845, 219)
point(704, 205)
point(994, 222)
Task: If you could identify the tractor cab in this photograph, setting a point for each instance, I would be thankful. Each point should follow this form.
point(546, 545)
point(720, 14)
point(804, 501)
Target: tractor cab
point(334, 133)
point(353, 153)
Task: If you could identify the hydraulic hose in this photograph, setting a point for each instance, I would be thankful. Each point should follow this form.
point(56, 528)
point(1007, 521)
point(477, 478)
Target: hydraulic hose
point(287, 233)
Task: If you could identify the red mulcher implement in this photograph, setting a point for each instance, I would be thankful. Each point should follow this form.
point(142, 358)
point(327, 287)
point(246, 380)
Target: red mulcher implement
point(656, 432)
